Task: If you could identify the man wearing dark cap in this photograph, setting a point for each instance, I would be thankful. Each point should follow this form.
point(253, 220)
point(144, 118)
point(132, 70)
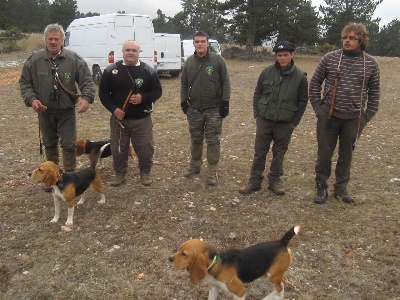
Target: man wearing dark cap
point(279, 101)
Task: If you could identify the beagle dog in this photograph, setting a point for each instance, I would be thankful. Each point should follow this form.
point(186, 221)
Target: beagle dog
point(67, 186)
point(96, 150)
point(230, 269)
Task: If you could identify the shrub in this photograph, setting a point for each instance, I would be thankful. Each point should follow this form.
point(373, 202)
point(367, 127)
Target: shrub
point(9, 39)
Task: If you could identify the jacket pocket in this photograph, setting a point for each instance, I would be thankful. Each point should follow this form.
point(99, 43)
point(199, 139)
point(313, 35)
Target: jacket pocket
point(287, 112)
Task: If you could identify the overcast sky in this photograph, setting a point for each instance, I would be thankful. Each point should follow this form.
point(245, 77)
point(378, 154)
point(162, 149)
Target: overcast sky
point(388, 10)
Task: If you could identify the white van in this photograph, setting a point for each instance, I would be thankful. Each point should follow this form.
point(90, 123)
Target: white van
point(99, 39)
point(169, 53)
point(188, 48)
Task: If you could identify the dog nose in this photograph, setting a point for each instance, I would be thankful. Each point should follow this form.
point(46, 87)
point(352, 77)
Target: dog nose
point(171, 258)
point(29, 174)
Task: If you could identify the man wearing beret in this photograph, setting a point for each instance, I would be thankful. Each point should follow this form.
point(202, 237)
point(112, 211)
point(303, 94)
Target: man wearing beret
point(279, 101)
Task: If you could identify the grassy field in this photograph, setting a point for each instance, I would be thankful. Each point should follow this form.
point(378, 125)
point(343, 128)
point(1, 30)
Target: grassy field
point(120, 250)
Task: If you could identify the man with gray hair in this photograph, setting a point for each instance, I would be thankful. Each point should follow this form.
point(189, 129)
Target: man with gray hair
point(47, 84)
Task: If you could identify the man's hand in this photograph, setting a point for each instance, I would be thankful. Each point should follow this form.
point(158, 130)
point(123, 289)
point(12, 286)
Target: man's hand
point(224, 109)
point(119, 114)
point(184, 106)
point(83, 104)
point(38, 106)
point(135, 99)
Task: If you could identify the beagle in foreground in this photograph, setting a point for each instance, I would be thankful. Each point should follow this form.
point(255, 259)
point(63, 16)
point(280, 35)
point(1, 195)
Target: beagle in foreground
point(230, 269)
point(67, 186)
point(96, 150)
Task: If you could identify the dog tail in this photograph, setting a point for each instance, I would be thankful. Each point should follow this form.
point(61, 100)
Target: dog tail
point(295, 230)
point(94, 162)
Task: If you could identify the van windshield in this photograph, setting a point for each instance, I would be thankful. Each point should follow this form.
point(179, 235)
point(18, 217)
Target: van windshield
point(214, 47)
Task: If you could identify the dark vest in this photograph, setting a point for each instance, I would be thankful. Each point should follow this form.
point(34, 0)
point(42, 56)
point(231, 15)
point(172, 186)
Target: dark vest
point(278, 101)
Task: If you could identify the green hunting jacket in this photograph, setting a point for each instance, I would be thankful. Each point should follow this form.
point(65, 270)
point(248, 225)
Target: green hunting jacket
point(37, 80)
point(205, 81)
point(281, 95)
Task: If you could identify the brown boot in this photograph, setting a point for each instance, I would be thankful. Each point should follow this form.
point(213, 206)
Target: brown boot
point(249, 188)
point(277, 189)
point(118, 180)
point(69, 160)
point(196, 152)
point(52, 154)
point(212, 179)
point(145, 179)
point(191, 173)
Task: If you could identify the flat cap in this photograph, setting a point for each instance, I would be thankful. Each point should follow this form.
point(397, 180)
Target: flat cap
point(284, 45)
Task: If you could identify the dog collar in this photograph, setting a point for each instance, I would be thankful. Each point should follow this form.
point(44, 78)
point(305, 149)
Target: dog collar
point(59, 177)
point(214, 262)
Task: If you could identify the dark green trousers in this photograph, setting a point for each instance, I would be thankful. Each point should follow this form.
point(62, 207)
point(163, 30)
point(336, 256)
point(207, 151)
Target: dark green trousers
point(269, 132)
point(329, 132)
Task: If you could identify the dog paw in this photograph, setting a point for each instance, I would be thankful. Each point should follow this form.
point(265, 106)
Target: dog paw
point(102, 199)
point(69, 223)
point(54, 220)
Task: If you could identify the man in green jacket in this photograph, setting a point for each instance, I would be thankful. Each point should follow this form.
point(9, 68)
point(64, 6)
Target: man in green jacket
point(205, 94)
point(47, 84)
point(279, 101)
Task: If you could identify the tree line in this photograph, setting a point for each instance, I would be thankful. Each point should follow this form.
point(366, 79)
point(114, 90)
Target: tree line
point(250, 23)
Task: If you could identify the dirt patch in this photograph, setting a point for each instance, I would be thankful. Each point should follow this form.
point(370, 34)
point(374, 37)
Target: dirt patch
point(121, 249)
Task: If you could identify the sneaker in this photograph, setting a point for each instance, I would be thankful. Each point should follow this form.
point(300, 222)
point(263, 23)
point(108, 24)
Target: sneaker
point(212, 180)
point(346, 198)
point(322, 194)
point(118, 180)
point(277, 189)
point(191, 173)
point(145, 179)
point(249, 188)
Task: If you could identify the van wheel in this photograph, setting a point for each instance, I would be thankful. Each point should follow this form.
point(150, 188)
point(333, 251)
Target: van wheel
point(174, 74)
point(96, 75)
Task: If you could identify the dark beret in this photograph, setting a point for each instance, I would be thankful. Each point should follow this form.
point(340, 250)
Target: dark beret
point(284, 46)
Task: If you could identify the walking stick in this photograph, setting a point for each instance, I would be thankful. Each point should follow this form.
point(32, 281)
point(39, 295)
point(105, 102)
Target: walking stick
point(131, 92)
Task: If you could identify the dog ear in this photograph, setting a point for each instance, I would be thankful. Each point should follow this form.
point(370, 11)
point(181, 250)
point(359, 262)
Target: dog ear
point(51, 178)
point(198, 269)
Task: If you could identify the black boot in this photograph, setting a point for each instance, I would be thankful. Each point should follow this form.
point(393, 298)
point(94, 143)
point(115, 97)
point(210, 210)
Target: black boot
point(346, 198)
point(322, 194)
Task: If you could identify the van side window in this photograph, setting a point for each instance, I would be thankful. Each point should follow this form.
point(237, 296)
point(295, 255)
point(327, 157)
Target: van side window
point(214, 47)
point(66, 41)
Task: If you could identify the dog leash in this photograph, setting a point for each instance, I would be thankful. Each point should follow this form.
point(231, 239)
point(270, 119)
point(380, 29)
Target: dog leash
point(40, 141)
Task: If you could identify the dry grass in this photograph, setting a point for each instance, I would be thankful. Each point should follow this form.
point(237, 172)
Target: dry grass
point(25, 47)
point(345, 252)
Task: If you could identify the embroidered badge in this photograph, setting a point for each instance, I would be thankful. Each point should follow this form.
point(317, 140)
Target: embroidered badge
point(209, 70)
point(139, 82)
point(68, 77)
point(115, 71)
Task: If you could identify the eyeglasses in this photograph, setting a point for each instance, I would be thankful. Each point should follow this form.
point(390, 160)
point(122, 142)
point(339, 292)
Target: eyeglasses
point(350, 37)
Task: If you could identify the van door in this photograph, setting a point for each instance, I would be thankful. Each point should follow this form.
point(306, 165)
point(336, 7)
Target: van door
point(138, 28)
